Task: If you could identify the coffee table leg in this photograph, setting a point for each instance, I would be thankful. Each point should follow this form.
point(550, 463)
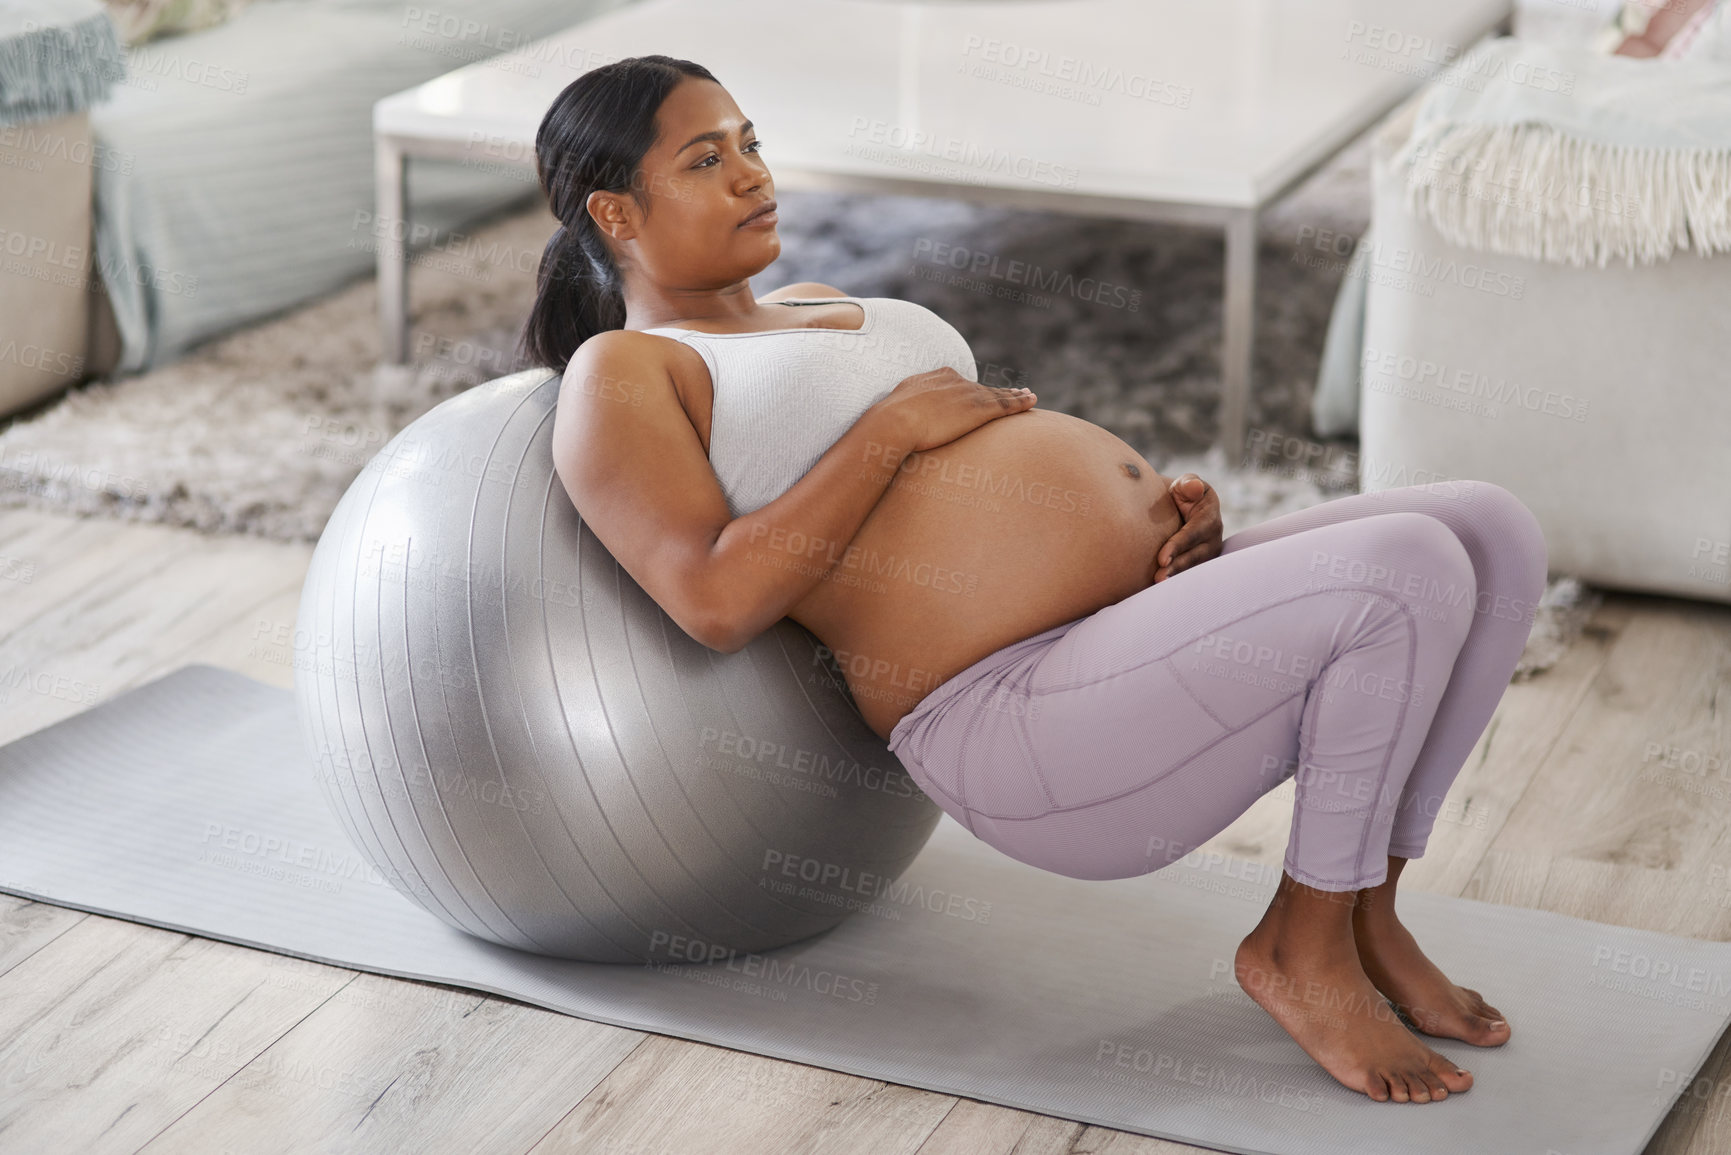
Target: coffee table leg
point(1240, 324)
point(391, 210)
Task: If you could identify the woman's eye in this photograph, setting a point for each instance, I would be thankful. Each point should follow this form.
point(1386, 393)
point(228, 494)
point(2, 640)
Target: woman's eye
point(713, 156)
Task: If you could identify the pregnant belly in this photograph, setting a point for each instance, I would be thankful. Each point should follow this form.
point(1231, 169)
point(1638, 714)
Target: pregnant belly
point(1027, 522)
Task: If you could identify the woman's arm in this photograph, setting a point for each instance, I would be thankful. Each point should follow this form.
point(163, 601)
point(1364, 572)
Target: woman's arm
point(639, 476)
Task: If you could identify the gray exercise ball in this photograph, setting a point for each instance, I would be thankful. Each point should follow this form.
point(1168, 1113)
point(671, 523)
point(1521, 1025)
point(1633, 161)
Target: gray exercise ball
point(523, 742)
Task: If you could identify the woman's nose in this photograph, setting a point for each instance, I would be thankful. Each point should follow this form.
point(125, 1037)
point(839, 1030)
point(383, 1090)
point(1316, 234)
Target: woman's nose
point(756, 175)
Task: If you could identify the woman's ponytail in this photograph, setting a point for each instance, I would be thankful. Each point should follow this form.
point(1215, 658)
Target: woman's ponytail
point(594, 136)
point(574, 300)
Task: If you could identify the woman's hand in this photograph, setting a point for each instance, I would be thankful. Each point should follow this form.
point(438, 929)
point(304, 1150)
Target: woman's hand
point(1199, 538)
point(941, 405)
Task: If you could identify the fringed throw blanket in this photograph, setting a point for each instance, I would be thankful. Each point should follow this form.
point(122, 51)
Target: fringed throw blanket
point(1562, 154)
point(56, 57)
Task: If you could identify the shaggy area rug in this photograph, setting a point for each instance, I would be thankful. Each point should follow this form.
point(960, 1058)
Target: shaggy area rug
point(260, 431)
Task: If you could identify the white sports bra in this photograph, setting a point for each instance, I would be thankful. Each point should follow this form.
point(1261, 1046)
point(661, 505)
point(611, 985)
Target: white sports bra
point(784, 396)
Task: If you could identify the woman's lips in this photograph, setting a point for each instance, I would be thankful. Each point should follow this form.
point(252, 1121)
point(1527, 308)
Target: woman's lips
point(761, 220)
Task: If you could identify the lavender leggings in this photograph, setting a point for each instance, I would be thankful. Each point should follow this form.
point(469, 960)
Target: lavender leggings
point(1359, 645)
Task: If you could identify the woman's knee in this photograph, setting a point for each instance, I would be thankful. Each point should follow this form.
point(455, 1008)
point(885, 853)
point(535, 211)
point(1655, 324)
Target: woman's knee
point(1419, 564)
point(1412, 546)
point(1505, 524)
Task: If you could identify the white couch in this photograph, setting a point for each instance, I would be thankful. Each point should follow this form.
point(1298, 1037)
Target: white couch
point(1601, 397)
point(232, 177)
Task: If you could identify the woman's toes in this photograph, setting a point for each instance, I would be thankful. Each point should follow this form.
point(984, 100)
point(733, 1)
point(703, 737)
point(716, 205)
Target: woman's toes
point(1455, 1079)
point(1491, 1030)
point(1483, 1009)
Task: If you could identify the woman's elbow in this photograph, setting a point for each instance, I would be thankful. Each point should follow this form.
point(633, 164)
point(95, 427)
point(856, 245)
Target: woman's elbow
point(716, 625)
point(719, 636)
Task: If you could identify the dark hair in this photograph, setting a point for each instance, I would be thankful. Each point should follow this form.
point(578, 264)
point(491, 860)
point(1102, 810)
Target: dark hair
point(593, 137)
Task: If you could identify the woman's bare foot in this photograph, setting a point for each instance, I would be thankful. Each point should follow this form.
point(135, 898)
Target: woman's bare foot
point(1301, 965)
point(1399, 969)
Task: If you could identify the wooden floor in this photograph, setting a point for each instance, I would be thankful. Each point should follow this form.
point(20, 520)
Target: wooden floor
point(121, 1037)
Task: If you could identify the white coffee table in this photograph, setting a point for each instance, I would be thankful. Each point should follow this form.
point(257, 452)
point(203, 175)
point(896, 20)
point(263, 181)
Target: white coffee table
point(1192, 111)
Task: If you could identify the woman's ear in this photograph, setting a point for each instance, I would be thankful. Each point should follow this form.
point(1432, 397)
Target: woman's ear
point(612, 215)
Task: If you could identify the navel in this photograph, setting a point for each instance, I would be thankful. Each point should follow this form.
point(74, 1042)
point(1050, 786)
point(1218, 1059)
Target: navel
point(1130, 468)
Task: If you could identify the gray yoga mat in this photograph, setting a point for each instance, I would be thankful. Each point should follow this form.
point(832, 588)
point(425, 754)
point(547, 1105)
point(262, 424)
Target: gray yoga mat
point(187, 803)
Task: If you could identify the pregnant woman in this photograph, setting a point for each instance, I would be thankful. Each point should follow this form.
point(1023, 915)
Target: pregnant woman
point(1052, 637)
